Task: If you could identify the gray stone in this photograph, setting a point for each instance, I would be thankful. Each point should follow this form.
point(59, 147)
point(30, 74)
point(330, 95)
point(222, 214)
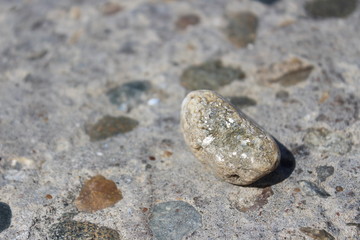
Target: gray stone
point(282, 95)
point(5, 216)
point(323, 172)
point(174, 220)
point(129, 95)
point(210, 75)
point(330, 8)
point(234, 147)
point(241, 29)
point(69, 230)
point(311, 189)
point(109, 126)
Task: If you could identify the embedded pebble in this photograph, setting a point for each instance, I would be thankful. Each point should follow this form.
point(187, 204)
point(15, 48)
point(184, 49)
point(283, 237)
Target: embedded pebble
point(311, 189)
point(323, 172)
point(69, 230)
point(210, 75)
point(97, 193)
point(5, 216)
point(129, 95)
point(241, 29)
point(187, 20)
point(282, 95)
point(317, 234)
point(330, 8)
point(234, 147)
point(242, 102)
point(327, 141)
point(111, 8)
point(287, 73)
point(174, 220)
point(109, 126)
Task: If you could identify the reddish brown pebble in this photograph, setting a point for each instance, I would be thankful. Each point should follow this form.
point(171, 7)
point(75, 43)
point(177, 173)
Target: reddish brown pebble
point(297, 190)
point(152, 158)
point(144, 210)
point(48, 196)
point(186, 20)
point(339, 189)
point(97, 193)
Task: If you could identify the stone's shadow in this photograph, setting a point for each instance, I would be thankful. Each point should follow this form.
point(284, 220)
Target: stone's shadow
point(5, 216)
point(283, 171)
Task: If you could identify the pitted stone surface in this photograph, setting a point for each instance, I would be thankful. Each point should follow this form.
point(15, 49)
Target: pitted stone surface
point(222, 137)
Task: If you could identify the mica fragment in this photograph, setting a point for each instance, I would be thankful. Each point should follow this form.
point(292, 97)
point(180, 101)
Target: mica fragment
point(234, 147)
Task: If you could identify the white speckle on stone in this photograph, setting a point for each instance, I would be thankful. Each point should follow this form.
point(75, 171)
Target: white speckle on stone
point(219, 158)
point(244, 142)
point(243, 155)
point(99, 153)
point(207, 140)
point(234, 153)
point(231, 120)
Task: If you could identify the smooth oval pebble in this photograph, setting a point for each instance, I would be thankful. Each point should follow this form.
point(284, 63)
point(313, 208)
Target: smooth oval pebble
point(222, 137)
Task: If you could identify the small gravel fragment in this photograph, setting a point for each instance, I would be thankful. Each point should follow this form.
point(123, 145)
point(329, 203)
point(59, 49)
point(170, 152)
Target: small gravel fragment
point(187, 20)
point(330, 8)
point(311, 189)
point(287, 73)
point(71, 230)
point(110, 8)
point(97, 193)
point(241, 29)
point(210, 75)
point(5, 216)
point(109, 126)
point(129, 95)
point(323, 172)
point(225, 139)
point(317, 234)
point(174, 220)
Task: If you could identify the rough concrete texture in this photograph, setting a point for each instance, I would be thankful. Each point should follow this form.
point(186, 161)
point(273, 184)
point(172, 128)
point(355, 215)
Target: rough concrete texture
point(59, 59)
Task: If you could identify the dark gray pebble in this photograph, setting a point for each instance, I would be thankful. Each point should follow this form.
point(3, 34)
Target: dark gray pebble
point(5, 216)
